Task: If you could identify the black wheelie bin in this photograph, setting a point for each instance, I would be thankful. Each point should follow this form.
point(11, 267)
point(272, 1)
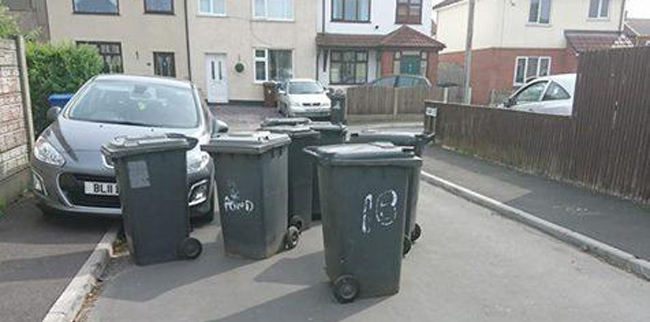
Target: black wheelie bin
point(416, 140)
point(330, 133)
point(364, 192)
point(252, 184)
point(300, 172)
point(275, 121)
point(154, 168)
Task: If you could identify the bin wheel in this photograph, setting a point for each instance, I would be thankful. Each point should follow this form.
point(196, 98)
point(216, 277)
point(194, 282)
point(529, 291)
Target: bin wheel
point(291, 238)
point(407, 245)
point(296, 221)
point(345, 288)
point(416, 233)
point(190, 248)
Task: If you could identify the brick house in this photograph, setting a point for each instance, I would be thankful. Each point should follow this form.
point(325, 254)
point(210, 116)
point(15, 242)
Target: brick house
point(516, 40)
point(358, 42)
point(638, 30)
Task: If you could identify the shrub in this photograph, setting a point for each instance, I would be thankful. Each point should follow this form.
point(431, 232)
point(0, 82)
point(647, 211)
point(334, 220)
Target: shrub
point(61, 68)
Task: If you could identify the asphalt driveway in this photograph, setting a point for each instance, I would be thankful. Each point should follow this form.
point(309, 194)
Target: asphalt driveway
point(38, 258)
point(469, 265)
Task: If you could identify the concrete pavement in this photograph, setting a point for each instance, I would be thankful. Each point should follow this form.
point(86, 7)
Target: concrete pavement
point(616, 222)
point(38, 258)
point(469, 265)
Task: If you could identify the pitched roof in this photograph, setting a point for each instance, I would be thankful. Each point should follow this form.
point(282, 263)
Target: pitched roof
point(445, 3)
point(587, 40)
point(403, 37)
point(641, 27)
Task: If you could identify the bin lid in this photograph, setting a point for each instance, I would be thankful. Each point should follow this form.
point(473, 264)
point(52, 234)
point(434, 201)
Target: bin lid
point(328, 127)
point(294, 131)
point(127, 146)
point(365, 154)
point(256, 142)
point(397, 138)
point(273, 121)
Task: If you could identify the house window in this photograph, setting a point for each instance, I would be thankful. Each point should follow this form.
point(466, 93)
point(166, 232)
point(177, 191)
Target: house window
point(159, 6)
point(274, 9)
point(409, 11)
point(164, 64)
point(212, 7)
point(351, 10)
point(540, 11)
point(275, 65)
point(348, 67)
point(531, 67)
point(111, 54)
point(410, 62)
point(107, 7)
point(598, 9)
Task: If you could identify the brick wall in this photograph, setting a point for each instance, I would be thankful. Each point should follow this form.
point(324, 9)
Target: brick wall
point(493, 69)
point(14, 151)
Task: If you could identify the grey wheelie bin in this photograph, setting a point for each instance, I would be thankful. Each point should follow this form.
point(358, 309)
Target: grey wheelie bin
point(330, 133)
point(364, 192)
point(152, 181)
point(416, 140)
point(300, 172)
point(274, 121)
point(252, 184)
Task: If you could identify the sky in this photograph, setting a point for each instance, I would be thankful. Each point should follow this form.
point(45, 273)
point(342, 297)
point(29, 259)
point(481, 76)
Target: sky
point(635, 8)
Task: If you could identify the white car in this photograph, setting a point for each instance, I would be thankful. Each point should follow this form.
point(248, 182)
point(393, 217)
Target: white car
point(545, 95)
point(303, 98)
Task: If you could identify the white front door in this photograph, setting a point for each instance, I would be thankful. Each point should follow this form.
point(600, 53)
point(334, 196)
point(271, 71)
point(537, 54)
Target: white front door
point(216, 78)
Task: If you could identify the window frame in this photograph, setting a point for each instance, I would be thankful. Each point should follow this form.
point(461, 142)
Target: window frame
point(527, 58)
point(600, 10)
point(155, 63)
point(408, 21)
point(265, 59)
point(356, 62)
point(77, 12)
point(343, 20)
point(539, 13)
point(212, 13)
point(97, 44)
point(265, 17)
point(159, 12)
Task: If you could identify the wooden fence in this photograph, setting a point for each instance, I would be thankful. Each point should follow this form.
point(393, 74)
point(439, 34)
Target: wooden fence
point(388, 101)
point(605, 145)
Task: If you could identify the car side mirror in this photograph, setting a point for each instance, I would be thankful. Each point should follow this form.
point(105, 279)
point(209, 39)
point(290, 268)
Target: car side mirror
point(52, 113)
point(220, 127)
point(510, 102)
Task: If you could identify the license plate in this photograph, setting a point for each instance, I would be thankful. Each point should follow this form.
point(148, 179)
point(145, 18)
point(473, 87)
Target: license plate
point(101, 188)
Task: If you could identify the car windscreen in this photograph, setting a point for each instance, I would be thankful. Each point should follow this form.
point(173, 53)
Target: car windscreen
point(305, 88)
point(136, 103)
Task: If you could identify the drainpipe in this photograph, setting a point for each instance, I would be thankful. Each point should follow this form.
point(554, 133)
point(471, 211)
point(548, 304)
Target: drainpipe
point(623, 14)
point(187, 42)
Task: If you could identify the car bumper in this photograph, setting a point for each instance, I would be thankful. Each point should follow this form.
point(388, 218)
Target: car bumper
point(53, 197)
point(320, 112)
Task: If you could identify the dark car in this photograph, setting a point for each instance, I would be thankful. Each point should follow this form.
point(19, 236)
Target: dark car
point(401, 81)
point(70, 173)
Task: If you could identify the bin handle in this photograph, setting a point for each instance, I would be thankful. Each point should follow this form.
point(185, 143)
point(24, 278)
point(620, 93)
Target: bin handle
point(311, 151)
point(190, 140)
point(427, 137)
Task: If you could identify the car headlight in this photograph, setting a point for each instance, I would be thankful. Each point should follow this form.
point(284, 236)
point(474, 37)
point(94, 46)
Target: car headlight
point(197, 161)
point(45, 152)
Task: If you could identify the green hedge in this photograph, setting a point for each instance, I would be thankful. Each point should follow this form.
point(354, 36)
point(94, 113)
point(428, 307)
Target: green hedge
point(61, 68)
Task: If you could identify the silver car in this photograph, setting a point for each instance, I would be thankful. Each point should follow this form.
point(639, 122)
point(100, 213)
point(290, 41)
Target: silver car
point(545, 95)
point(71, 175)
point(304, 98)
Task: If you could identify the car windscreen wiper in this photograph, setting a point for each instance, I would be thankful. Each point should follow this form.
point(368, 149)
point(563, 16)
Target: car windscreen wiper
point(129, 123)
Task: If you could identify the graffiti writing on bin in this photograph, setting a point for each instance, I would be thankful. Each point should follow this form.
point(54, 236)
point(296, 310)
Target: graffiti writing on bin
point(380, 210)
point(233, 202)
